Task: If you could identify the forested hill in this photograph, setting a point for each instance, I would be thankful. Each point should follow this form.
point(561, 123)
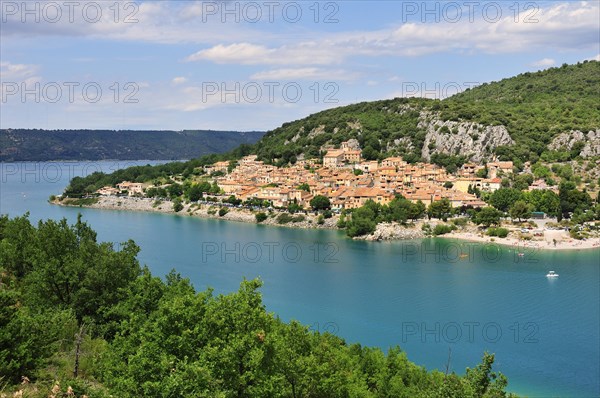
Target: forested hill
point(42, 145)
point(516, 119)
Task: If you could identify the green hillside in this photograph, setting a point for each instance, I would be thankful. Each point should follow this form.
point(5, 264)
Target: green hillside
point(534, 107)
point(373, 124)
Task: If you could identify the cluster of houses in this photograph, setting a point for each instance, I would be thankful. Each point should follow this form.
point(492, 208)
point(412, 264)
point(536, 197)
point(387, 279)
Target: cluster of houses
point(346, 179)
point(130, 188)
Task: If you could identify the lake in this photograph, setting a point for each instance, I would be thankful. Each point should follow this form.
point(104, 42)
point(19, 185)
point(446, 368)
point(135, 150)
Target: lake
point(441, 300)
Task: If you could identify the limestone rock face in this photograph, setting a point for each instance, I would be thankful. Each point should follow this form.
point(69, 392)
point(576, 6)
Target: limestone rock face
point(352, 144)
point(356, 125)
point(393, 231)
point(473, 140)
point(567, 140)
point(317, 131)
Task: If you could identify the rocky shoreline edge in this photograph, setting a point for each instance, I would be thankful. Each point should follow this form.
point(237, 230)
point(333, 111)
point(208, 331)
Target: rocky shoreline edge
point(383, 232)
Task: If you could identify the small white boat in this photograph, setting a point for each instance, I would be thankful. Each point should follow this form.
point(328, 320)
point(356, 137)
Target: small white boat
point(552, 274)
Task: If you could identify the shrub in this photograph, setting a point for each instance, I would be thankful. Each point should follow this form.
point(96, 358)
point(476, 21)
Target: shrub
point(442, 229)
point(426, 228)
point(82, 202)
point(360, 226)
point(320, 220)
point(284, 218)
point(223, 211)
point(260, 217)
point(460, 222)
point(575, 234)
point(499, 232)
point(177, 206)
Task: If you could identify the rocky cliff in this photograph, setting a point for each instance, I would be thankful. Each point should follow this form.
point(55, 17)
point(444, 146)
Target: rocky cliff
point(566, 141)
point(472, 140)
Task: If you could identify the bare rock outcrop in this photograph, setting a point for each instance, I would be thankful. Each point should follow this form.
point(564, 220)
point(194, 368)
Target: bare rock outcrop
point(473, 140)
point(566, 141)
point(393, 231)
point(352, 144)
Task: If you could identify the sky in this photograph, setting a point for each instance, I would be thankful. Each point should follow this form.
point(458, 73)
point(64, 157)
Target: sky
point(254, 65)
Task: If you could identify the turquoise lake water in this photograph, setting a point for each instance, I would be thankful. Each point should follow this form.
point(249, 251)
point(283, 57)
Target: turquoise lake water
point(420, 295)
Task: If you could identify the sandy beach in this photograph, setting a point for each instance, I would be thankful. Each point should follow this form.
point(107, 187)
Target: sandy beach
point(551, 239)
point(563, 241)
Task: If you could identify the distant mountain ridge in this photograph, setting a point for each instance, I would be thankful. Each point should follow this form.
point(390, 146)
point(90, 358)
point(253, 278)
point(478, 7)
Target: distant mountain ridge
point(46, 145)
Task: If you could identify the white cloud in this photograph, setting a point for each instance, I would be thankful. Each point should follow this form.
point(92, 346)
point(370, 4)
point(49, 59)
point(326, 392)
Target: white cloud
point(544, 62)
point(244, 53)
point(563, 26)
point(596, 58)
point(148, 21)
point(19, 72)
point(179, 80)
point(560, 27)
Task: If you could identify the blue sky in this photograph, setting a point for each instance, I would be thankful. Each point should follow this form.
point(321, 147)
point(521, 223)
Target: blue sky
point(255, 65)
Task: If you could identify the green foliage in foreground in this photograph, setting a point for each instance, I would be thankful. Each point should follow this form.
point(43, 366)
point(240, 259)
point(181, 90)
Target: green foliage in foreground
point(487, 216)
point(148, 337)
point(177, 206)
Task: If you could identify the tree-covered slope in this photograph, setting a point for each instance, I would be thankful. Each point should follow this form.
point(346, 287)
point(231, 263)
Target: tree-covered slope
point(534, 108)
point(41, 145)
point(373, 124)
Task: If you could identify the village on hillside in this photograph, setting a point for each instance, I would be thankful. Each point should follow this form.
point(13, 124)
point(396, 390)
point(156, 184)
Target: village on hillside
point(347, 180)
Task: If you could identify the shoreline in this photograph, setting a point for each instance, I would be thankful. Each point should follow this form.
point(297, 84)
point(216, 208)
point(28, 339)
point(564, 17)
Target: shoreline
point(565, 245)
point(201, 211)
point(384, 231)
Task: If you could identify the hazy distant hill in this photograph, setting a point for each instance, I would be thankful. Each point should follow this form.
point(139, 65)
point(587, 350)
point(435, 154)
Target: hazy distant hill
point(41, 145)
